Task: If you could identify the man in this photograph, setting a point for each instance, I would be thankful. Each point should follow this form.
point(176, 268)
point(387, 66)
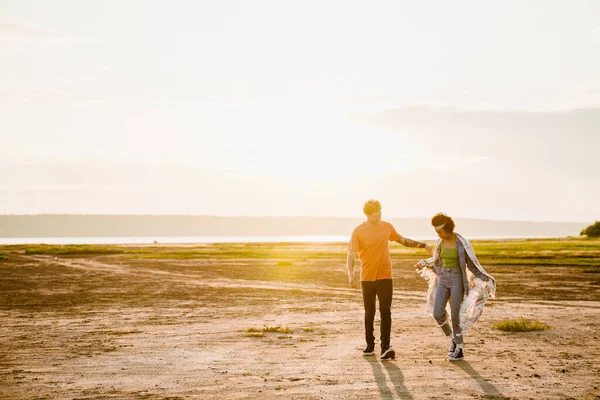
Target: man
point(370, 241)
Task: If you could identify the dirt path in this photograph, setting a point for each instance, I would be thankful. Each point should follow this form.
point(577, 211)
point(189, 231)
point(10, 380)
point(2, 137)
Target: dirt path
point(112, 342)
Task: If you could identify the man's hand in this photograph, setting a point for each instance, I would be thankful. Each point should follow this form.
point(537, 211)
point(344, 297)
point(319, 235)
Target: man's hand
point(428, 248)
point(350, 268)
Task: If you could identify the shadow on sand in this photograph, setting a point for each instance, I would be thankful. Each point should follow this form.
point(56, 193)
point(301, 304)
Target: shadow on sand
point(490, 391)
point(394, 375)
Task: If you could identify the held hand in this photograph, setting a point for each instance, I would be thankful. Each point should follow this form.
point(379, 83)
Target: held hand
point(353, 282)
point(418, 267)
point(428, 248)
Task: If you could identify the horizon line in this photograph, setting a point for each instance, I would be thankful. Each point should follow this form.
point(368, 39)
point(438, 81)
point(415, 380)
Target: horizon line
point(282, 216)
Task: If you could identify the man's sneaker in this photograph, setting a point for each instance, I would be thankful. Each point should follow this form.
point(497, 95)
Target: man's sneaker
point(388, 353)
point(369, 351)
point(457, 355)
point(452, 348)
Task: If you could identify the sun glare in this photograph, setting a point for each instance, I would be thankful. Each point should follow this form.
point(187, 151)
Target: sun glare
point(318, 143)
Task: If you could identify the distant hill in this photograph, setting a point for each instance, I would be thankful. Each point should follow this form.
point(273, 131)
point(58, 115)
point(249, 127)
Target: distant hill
point(30, 226)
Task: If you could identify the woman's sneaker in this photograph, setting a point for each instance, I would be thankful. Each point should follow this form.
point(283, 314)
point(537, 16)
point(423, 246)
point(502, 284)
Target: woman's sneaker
point(369, 351)
point(457, 355)
point(452, 348)
point(387, 353)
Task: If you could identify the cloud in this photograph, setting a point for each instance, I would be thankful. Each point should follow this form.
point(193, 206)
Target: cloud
point(19, 36)
point(22, 29)
point(565, 142)
point(100, 174)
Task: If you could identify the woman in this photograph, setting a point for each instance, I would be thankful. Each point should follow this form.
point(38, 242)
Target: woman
point(452, 273)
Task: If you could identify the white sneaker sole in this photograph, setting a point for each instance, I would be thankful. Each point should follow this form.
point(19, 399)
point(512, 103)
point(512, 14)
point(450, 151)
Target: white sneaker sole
point(388, 354)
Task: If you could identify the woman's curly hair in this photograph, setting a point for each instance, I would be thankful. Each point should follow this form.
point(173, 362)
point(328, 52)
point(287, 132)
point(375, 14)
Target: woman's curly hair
point(442, 219)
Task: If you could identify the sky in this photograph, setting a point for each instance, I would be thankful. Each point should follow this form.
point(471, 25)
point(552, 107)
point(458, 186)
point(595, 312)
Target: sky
point(290, 108)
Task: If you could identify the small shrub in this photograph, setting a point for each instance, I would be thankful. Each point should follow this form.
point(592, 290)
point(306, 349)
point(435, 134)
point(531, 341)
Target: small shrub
point(284, 264)
point(592, 230)
point(308, 330)
point(284, 337)
point(520, 325)
point(256, 334)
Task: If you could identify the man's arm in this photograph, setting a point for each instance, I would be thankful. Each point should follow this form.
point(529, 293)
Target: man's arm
point(413, 243)
point(350, 267)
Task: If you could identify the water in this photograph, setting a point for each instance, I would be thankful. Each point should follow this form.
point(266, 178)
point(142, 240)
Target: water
point(175, 239)
point(212, 239)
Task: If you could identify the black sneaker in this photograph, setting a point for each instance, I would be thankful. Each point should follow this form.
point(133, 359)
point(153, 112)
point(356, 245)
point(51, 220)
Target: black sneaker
point(457, 355)
point(452, 348)
point(388, 353)
point(369, 351)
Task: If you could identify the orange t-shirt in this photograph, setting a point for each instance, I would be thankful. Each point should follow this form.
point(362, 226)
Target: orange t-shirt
point(371, 243)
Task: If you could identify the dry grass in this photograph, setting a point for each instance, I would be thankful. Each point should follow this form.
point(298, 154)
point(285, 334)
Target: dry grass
point(270, 329)
point(520, 324)
point(256, 334)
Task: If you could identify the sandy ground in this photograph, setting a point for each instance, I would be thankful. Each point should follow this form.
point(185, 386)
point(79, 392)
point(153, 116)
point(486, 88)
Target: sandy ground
point(117, 328)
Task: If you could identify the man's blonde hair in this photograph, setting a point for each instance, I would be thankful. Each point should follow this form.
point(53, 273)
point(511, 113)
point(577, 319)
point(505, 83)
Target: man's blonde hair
point(371, 206)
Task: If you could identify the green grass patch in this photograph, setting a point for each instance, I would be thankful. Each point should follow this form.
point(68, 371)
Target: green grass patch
point(550, 252)
point(520, 324)
point(72, 250)
point(543, 252)
point(574, 251)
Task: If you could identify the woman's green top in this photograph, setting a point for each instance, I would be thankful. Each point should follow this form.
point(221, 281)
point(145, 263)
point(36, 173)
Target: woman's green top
point(449, 257)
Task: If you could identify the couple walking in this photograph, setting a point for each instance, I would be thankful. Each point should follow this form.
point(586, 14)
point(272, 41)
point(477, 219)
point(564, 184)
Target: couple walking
point(452, 272)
